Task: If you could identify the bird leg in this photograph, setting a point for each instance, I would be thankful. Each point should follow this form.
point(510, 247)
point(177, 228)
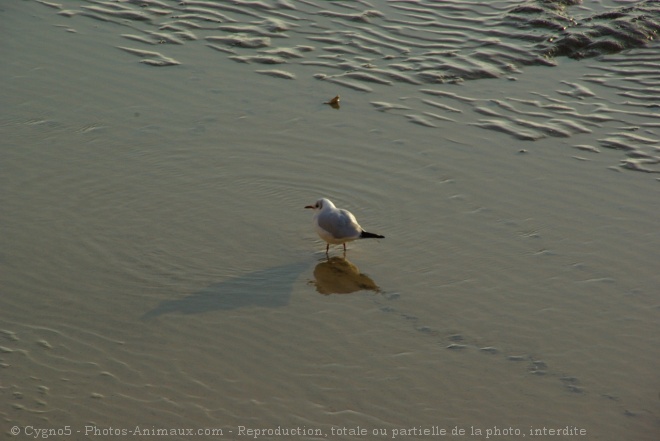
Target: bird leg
point(344, 246)
point(327, 248)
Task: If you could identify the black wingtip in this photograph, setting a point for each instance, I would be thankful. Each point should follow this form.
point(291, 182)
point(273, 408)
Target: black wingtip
point(365, 235)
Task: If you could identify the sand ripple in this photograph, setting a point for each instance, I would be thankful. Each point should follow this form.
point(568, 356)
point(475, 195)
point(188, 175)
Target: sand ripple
point(425, 47)
point(435, 42)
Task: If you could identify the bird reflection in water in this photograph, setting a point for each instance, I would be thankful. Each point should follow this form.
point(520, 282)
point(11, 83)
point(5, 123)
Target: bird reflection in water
point(269, 288)
point(337, 275)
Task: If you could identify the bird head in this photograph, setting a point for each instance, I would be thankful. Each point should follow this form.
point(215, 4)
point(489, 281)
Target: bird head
point(320, 204)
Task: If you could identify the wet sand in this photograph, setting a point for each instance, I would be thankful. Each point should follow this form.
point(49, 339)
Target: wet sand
point(159, 270)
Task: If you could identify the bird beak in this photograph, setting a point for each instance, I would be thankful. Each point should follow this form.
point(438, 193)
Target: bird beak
point(309, 206)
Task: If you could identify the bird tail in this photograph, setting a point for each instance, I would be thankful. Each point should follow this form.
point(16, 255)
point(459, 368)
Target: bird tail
point(365, 235)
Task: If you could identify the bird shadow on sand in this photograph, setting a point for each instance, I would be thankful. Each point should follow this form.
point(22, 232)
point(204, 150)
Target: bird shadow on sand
point(337, 275)
point(267, 288)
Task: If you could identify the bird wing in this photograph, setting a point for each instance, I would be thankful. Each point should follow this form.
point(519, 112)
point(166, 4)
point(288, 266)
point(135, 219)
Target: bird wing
point(339, 223)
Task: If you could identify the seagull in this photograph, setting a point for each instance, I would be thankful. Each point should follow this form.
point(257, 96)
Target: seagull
point(336, 225)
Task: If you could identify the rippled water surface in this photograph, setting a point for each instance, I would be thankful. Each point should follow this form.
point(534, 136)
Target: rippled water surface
point(158, 269)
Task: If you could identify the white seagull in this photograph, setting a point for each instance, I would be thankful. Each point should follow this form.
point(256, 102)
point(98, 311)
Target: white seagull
point(336, 225)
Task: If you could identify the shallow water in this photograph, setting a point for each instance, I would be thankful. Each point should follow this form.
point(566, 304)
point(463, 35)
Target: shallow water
point(159, 269)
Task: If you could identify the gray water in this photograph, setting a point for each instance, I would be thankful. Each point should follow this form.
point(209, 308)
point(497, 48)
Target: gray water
point(158, 269)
